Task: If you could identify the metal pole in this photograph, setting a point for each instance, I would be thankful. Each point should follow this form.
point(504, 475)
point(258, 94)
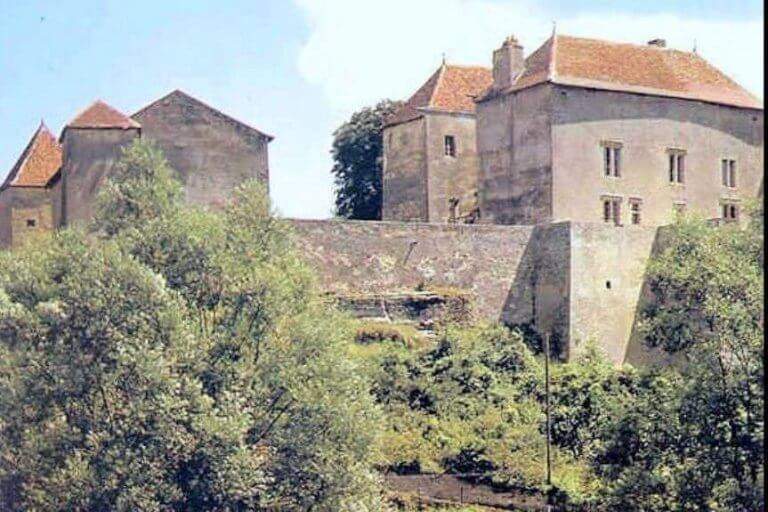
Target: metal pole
point(549, 434)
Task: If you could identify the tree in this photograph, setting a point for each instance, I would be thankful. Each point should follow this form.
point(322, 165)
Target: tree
point(181, 360)
point(698, 444)
point(357, 155)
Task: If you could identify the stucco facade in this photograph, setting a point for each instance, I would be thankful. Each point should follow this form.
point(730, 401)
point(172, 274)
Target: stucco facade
point(89, 156)
point(212, 152)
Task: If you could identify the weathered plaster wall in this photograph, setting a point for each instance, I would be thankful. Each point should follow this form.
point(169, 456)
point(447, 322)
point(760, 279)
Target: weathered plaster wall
point(212, 153)
point(647, 126)
point(489, 262)
point(514, 145)
point(89, 157)
point(450, 176)
point(25, 212)
point(607, 268)
point(404, 181)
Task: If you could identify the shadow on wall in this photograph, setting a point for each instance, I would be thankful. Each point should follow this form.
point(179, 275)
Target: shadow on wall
point(538, 300)
point(637, 352)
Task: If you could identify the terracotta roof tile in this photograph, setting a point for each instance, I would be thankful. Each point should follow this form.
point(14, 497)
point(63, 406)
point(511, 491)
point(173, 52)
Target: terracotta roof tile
point(101, 115)
point(627, 67)
point(38, 163)
point(451, 88)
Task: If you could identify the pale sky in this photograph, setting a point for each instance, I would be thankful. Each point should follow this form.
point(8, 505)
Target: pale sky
point(298, 69)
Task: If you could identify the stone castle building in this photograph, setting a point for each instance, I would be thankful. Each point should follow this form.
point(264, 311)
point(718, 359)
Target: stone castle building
point(534, 191)
point(580, 130)
point(55, 182)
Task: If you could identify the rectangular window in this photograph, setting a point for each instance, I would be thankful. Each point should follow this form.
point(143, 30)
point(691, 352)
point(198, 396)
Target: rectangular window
point(612, 159)
point(679, 209)
point(676, 165)
point(728, 171)
point(31, 223)
point(634, 209)
point(612, 210)
point(730, 212)
point(450, 146)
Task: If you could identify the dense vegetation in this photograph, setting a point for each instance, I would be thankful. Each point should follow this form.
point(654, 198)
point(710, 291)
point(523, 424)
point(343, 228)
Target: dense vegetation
point(357, 162)
point(175, 359)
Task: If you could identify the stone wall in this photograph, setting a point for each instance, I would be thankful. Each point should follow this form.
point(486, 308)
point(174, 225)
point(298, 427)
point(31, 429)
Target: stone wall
point(90, 154)
point(514, 145)
point(646, 127)
point(404, 181)
point(361, 257)
point(450, 176)
point(211, 152)
point(25, 212)
point(577, 281)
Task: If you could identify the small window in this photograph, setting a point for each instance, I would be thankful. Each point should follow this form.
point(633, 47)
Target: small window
point(31, 223)
point(680, 209)
point(676, 166)
point(612, 210)
point(730, 212)
point(450, 146)
point(634, 210)
point(728, 171)
point(612, 159)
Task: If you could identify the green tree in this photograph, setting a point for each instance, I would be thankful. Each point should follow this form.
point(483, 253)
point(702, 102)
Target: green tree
point(357, 156)
point(699, 443)
point(182, 360)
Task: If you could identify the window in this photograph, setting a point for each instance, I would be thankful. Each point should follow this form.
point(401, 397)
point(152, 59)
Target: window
point(31, 223)
point(612, 159)
point(612, 210)
point(676, 166)
point(450, 146)
point(728, 171)
point(730, 212)
point(679, 209)
point(634, 210)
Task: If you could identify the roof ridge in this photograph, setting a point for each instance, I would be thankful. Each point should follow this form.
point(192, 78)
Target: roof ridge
point(438, 83)
point(204, 104)
point(552, 71)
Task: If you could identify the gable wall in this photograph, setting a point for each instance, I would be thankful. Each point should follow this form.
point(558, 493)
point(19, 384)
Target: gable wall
point(212, 154)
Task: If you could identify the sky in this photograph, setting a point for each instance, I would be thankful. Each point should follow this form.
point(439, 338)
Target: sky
point(297, 69)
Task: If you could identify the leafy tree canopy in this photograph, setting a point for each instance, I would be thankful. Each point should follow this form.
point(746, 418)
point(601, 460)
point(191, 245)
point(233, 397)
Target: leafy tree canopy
point(181, 360)
point(357, 156)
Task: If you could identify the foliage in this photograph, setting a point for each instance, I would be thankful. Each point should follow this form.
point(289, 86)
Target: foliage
point(141, 187)
point(181, 360)
point(358, 155)
point(693, 439)
point(469, 404)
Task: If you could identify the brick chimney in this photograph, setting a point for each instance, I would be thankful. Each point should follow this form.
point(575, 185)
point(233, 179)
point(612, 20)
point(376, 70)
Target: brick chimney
point(507, 63)
point(658, 42)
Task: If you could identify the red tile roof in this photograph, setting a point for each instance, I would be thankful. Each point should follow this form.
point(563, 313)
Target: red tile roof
point(643, 69)
point(101, 115)
point(451, 89)
point(38, 163)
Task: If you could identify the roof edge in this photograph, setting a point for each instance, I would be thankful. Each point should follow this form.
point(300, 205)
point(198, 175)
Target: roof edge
point(206, 105)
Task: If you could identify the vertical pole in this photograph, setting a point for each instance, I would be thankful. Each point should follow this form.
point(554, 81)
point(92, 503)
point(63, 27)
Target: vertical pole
point(549, 434)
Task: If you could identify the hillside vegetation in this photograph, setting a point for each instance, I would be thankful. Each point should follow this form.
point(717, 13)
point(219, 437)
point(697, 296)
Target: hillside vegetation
point(168, 358)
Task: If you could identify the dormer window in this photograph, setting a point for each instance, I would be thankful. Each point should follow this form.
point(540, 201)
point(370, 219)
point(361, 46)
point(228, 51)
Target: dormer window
point(612, 159)
point(450, 146)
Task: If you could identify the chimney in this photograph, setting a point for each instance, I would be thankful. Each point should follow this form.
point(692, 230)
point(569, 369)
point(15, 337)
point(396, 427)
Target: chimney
point(507, 63)
point(658, 42)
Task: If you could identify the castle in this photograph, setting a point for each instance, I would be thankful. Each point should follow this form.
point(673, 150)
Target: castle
point(536, 189)
point(54, 182)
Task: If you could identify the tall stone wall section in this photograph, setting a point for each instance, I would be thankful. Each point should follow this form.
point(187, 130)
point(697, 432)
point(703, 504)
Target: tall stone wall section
point(576, 281)
point(490, 262)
